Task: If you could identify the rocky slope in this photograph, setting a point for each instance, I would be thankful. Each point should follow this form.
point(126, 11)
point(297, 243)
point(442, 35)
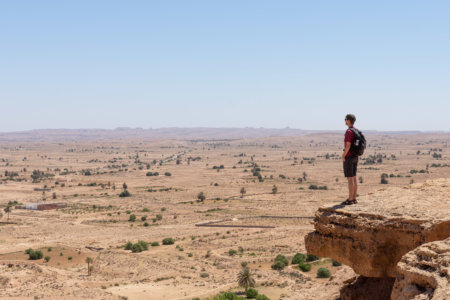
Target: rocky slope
point(424, 273)
point(373, 235)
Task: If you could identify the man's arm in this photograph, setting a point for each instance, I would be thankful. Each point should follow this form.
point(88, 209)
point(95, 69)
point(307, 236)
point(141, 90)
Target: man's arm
point(347, 149)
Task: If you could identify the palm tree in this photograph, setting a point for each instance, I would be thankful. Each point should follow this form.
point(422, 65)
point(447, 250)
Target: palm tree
point(245, 278)
point(89, 262)
point(8, 210)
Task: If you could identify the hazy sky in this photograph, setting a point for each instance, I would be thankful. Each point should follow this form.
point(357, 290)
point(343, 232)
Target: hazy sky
point(222, 63)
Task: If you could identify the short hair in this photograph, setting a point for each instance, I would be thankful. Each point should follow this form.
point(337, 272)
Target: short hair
point(351, 118)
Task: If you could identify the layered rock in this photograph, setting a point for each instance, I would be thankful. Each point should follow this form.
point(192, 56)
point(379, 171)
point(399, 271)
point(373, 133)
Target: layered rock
point(373, 235)
point(424, 273)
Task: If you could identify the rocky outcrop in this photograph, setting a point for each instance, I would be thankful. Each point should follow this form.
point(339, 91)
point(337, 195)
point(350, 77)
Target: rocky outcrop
point(373, 235)
point(424, 273)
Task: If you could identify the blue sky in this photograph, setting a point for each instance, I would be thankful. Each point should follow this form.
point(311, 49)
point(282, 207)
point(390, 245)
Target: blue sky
point(150, 64)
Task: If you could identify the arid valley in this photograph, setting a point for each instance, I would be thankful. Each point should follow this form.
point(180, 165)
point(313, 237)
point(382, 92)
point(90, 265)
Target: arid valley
point(204, 205)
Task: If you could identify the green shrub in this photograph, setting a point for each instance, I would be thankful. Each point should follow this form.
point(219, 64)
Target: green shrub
point(47, 258)
point(278, 265)
point(261, 297)
point(34, 254)
point(144, 218)
point(132, 218)
point(311, 257)
point(323, 273)
point(336, 263)
point(136, 248)
point(167, 174)
point(128, 246)
point(168, 241)
point(232, 252)
point(280, 262)
point(251, 293)
point(69, 257)
point(316, 187)
point(154, 244)
point(304, 267)
point(125, 193)
point(282, 258)
point(143, 244)
point(228, 296)
point(204, 275)
point(298, 258)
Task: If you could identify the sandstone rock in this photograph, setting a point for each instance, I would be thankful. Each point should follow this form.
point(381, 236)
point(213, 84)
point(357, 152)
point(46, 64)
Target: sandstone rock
point(424, 273)
point(373, 235)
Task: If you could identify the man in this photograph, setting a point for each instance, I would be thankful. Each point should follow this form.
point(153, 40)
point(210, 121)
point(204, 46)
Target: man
point(350, 161)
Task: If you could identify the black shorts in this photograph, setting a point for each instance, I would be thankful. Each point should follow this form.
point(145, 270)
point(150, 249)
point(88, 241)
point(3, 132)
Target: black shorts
point(350, 166)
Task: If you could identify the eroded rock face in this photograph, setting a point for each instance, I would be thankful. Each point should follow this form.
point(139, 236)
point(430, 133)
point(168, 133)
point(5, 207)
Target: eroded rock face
point(373, 235)
point(424, 273)
point(368, 288)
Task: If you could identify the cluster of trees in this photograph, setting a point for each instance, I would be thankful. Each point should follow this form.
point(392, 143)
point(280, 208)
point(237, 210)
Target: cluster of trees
point(136, 247)
point(37, 176)
point(125, 192)
point(152, 174)
point(34, 254)
point(317, 187)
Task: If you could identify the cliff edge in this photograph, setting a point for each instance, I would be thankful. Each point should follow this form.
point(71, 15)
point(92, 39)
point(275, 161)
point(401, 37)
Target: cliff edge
point(373, 235)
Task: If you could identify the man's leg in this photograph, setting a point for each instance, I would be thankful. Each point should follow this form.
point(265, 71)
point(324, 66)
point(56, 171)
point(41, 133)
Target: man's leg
point(355, 187)
point(350, 188)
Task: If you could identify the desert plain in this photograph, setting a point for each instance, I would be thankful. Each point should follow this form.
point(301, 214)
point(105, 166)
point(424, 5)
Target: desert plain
point(218, 203)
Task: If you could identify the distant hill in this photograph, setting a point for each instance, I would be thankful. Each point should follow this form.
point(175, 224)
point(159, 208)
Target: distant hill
point(197, 133)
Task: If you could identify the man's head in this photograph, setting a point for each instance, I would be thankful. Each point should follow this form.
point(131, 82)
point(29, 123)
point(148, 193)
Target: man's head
point(350, 119)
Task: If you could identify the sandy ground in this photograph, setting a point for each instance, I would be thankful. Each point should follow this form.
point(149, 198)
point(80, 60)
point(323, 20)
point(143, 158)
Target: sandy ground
point(88, 177)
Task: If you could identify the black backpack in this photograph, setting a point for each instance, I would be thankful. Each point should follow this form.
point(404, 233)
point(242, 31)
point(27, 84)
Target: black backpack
point(359, 142)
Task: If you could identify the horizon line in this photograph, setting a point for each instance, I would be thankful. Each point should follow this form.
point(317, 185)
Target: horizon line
point(211, 127)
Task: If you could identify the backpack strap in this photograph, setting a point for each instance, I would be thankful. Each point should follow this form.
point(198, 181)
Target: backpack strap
point(355, 131)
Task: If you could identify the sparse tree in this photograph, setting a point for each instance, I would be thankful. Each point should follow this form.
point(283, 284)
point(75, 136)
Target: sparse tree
point(245, 278)
point(89, 262)
point(201, 197)
point(243, 191)
point(274, 189)
point(8, 210)
point(125, 186)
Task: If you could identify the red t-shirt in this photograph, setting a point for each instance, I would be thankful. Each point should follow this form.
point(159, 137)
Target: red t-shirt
point(349, 135)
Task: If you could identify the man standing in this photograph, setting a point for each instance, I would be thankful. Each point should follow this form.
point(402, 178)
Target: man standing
point(350, 161)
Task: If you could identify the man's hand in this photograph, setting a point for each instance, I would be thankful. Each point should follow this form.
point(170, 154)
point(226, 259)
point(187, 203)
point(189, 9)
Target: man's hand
point(346, 150)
